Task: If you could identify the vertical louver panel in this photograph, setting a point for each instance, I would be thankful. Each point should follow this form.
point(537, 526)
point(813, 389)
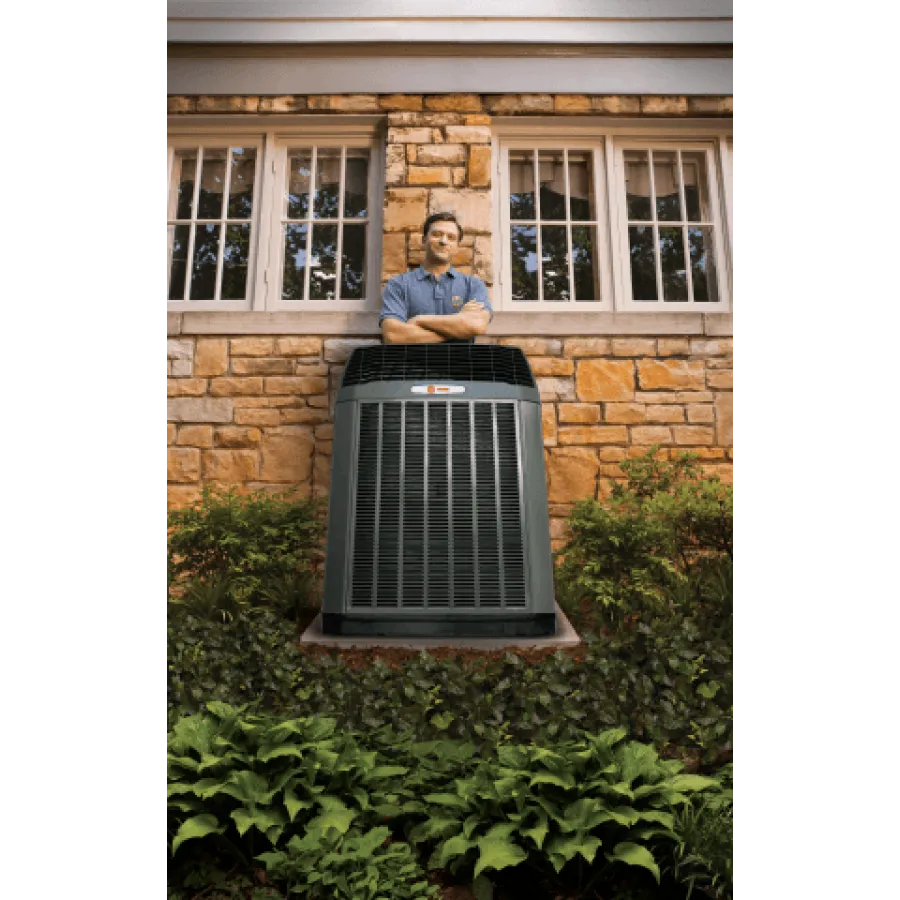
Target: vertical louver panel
point(438, 517)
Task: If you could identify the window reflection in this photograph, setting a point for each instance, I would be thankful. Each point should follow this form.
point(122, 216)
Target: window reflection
point(178, 236)
point(521, 185)
point(555, 262)
point(203, 268)
point(240, 190)
point(294, 270)
point(212, 184)
point(322, 257)
point(674, 274)
point(523, 242)
point(553, 184)
point(235, 259)
point(643, 263)
point(356, 184)
point(328, 182)
point(586, 287)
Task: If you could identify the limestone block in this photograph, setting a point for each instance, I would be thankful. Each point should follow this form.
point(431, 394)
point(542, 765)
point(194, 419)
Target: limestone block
point(423, 119)
point(577, 348)
point(235, 387)
point(548, 365)
point(724, 408)
point(305, 416)
point(235, 436)
point(253, 346)
point(195, 436)
point(440, 154)
point(625, 413)
point(664, 106)
point(556, 388)
point(605, 379)
point(646, 435)
point(420, 135)
point(179, 495)
point(345, 102)
point(171, 431)
point(286, 103)
point(338, 350)
point(400, 101)
point(687, 435)
point(181, 368)
point(233, 466)
point(670, 374)
point(711, 106)
point(571, 103)
point(699, 413)
point(395, 164)
point(579, 413)
point(664, 414)
point(315, 369)
point(405, 209)
point(183, 464)
point(593, 434)
point(298, 346)
point(672, 397)
point(519, 103)
point(323, 448)
point(548, 424)
point(186, 387)
point(484, 260)
point(296, 384)
point(633, 347)
point(181, 104)
point(211, 357)
point(195, 409)
point(467, 134)
point(708, 347)
point(439, 175)
point(472, 208)
point(616, 105)
point(227, 104)
point(322, 476)
point(287, 457)
point(479, 165)
point(453, 102)
point(673, 347)
point(571, 474)
point(179, 348)
point(477, 119)
point(612, 454)
point(260, 366)
point(254, 416)
point(719, 381)
point(459, 176)
point(533, 346)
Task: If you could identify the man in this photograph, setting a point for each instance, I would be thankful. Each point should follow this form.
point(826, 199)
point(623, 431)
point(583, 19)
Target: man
point(435, 303)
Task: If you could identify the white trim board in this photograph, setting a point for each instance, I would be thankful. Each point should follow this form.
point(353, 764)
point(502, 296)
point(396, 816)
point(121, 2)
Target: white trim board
point(386, 75)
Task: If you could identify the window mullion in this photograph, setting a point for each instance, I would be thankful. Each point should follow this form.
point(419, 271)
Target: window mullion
point(685, 225)
point(195, 208)
point(309, 225)
point(537, 224)
point(569, 226)
point(340, 228)
point(223, 226)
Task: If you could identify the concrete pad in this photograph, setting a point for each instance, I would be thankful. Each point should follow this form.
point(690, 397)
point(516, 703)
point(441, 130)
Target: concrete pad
point(565, 636)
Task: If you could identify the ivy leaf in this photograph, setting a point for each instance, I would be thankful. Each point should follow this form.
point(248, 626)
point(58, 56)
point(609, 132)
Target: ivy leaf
point(497, 854)
point(196, 827)
point(634, 855)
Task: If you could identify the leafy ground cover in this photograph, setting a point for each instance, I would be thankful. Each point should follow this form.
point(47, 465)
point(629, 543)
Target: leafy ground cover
point(645, 578)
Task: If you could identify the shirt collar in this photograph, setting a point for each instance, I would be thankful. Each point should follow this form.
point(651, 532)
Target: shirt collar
point(422, 273)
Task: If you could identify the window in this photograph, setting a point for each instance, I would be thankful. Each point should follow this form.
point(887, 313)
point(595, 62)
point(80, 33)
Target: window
point(211, 211)
point(612, 220)
point(281, 219)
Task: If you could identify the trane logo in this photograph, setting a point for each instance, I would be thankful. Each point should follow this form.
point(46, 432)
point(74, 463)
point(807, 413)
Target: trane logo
point(438, 389)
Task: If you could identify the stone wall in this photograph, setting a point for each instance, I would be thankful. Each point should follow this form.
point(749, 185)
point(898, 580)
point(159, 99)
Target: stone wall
point(255, 411)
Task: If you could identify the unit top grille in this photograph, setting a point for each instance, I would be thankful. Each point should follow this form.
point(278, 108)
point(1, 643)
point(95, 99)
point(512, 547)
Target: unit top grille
point(437, 362)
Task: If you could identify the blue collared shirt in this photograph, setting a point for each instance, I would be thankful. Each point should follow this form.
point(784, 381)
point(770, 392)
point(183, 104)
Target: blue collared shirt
point(419, 293)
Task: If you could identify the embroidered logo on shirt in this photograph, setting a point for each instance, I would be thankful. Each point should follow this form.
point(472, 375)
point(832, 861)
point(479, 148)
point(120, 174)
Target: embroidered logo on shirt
point(458, 302)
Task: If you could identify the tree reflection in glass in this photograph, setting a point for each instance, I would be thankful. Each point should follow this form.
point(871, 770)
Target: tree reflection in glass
point(356, 184)
point(212, 184)
point(555, 262)
point(179, 236)
point(523, 246)
point(294, 262)
point(643, 263)
point(580, 193)
point(240, 190)
point(235, 258)
point(299, 163)
point(353, 258)
point(328, 182)
point(637, 185)
point(586, 287)
point(322, 259)
point(703, 269)
point(521, 184)
point(665, 181)
point(203, 268)
point(187, 162)
point(671, 255)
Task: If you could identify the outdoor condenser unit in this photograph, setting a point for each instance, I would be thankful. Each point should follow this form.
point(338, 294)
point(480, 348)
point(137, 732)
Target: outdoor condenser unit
point(438, 522)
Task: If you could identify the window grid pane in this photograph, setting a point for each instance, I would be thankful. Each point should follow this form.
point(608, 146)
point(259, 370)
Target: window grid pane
point(325, 229)
point(202, 241)
point(544, 204)
point(667, 193)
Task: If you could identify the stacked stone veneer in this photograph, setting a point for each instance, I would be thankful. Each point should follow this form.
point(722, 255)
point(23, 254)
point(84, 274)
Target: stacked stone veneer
point(255, 411)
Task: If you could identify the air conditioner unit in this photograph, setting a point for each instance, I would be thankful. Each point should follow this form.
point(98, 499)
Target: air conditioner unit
point(438, 523)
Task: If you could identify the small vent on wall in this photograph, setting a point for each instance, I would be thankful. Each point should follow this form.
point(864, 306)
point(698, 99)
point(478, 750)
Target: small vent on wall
point(437, 362)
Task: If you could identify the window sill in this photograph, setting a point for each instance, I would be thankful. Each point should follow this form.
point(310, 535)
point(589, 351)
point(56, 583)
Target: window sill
point(504, 323)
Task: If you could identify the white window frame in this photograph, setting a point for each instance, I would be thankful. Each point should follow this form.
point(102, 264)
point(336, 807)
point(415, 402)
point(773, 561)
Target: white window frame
point(273, 139)
point(608, 139)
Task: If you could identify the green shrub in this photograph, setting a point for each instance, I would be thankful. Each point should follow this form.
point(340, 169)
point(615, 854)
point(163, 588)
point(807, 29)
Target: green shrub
point(660, 541)
point(234, 549)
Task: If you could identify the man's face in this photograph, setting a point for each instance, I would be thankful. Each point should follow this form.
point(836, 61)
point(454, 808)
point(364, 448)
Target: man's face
point(441, 241)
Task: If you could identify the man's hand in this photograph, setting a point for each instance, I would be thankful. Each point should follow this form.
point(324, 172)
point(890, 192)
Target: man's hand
point(471, 320)
point(393, 331)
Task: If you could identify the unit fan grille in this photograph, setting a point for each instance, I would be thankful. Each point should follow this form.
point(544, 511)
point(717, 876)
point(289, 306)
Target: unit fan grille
point(438, 517)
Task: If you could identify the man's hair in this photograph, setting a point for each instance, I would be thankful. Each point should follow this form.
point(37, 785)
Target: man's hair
point(441, 217)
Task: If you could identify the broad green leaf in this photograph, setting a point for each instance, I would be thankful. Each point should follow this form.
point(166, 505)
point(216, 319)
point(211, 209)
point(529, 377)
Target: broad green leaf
point(634, 855)
point(565, 780)
point(497, 854)
point(263, 819)
point(453, 847)
point(562, 848)
point(294, 804)
point(334, 817)
point(196, 827)
point(691, 783)
point(446, 800)
point(482, 888)
point(371, 841)
point(502, 831)
point(386, 771)
point(248, 787)
point(538, 831)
